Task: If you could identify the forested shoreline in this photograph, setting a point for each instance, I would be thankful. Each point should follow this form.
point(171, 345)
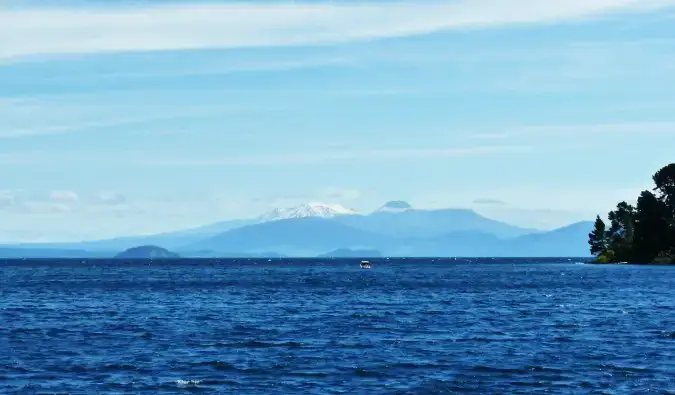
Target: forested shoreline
point(640, 234)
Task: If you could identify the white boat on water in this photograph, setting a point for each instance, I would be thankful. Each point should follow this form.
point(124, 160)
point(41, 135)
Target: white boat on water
point(365, 264)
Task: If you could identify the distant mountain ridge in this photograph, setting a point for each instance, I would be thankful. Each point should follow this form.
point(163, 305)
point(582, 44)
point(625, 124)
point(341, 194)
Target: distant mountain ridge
point(147, 252)
point(307, 236)
point(430, 223)
point(312, 209)
point(348, 253)
point(395, 206)
point(395, 229)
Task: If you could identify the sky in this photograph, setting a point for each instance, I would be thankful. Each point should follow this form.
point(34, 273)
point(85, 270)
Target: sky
point(121, 117)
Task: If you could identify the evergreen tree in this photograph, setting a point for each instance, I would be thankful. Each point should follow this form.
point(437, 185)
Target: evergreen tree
point(598, 238)
point(651, 228)
point(621, 231)
point(664, 180)
point(641, 234)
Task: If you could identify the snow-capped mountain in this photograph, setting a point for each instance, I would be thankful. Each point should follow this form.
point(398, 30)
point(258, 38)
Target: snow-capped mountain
point(313, 209)
point(395, 206)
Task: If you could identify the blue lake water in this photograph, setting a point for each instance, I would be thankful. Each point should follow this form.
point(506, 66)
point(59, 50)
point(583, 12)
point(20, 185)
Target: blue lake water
point(328, 327)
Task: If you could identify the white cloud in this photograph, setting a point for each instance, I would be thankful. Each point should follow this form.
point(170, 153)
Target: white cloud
point(64, 196)
point(38, 207)
point(44, 31)
point(110, 198)
point(21, 202)
point(81, 126)
point(8, 198)
point(229, 66)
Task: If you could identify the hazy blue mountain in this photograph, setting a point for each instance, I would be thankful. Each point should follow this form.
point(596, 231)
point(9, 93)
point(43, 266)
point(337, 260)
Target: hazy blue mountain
point(349, 253)
point(147, 252)
point(309, 237)
point(313, 236)
point(395, 206)
point(455, 244)
point(172, 240)
point(395, 229)
point(571, 240)
point(403, 221)
point(293, 237)
point(567, 241)
point(44, 253)
point(229, 254)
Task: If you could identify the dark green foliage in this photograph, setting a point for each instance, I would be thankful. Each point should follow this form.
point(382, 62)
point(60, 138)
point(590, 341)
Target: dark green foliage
point(641, 234)
point(622, 229)
point(598, 238)
point(665, 184)
point(651, 228)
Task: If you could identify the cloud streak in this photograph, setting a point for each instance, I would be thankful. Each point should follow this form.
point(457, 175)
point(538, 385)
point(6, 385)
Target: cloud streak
point(64, 196)
point(71, 30)
point(631, 128)
point(489, 202)
point(87, 126)
point(323, 157)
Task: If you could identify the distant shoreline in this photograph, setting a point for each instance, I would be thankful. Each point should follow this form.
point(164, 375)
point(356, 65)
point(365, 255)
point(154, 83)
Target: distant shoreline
point(375, 260)
point(629, 264)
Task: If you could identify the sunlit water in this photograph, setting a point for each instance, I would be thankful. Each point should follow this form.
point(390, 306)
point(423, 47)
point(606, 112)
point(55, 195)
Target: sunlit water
point(321, 327)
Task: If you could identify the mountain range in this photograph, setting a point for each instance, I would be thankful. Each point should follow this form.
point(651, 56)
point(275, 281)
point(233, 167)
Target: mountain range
point(395, 229)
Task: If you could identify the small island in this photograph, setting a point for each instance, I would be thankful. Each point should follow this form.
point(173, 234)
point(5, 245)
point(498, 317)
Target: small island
point(147, 252)
point(644, 234)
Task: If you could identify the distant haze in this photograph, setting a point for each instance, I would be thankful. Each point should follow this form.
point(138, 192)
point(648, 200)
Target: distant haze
point(316, 229)
point(127, 118)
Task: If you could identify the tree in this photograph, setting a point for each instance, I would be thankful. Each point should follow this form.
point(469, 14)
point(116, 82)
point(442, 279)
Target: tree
point(642, 234)
point(651, 228)
point(598, 238)
point(621, 231)
point(664, 180)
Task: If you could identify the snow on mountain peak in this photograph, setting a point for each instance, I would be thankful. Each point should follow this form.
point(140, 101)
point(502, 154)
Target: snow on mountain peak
point(312, 209)
point(395, 206)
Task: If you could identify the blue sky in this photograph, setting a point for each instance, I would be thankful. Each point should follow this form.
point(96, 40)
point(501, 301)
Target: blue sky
point(136, 117)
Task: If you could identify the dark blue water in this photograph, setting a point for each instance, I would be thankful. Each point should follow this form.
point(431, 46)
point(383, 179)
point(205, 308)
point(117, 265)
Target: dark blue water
point(307, 327)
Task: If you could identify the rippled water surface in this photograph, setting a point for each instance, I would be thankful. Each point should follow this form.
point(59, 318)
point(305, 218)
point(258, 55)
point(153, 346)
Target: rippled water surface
point(322, 327)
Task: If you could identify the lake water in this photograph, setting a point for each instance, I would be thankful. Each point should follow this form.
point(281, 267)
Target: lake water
point(328, 327)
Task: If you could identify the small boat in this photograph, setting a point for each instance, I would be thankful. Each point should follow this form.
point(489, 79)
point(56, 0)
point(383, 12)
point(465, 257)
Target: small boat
point(365, 265)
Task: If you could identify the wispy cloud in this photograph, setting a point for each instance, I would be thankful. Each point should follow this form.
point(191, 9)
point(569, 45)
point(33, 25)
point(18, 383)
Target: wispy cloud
point(220, 68)
point(44, 208)
point(87, 126)
point(64, 196)
point(15, 133)
point(488, 202)
point(7, 198)
point(19, 158)
point(17, 202)
point(109, 198)
point(336, 156)
point(43, 31)
point(6, 102)
point(637, 128)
